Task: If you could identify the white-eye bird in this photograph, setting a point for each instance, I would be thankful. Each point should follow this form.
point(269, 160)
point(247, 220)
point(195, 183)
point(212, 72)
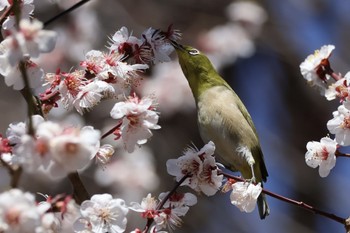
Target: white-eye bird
point(223, 119)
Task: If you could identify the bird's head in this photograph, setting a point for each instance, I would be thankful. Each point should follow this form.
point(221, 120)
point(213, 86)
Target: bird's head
point(197, 68)
point(191, 60)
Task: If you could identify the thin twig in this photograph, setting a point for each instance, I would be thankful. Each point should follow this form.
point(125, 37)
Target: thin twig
point(15, 173)
point(28, 96)
point(111, 130)
point(294, 202)
point(67, 11)
point(161, 204)
point(80, 193)
point(340, 154)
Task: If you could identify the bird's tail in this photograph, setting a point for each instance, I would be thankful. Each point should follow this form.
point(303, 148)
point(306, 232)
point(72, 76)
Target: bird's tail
point(264, 209)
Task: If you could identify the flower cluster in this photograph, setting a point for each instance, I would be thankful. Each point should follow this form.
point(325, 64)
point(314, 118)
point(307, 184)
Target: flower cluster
point(201, 173)
point(317, 70)
point(22, 44)
point(111, 74)
point(136, 116)
point(102, 213)
point(20, 213)
point(244, 195)
point(54, 149)
point(199, 167)
point(167, 214)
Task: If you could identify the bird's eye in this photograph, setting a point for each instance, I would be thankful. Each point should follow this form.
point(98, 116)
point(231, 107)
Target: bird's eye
point(193, 52)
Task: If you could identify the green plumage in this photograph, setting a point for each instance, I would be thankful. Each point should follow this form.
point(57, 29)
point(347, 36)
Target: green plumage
point(223, 119)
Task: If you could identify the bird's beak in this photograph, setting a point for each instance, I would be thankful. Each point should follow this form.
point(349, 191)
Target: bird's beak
point(177, 45)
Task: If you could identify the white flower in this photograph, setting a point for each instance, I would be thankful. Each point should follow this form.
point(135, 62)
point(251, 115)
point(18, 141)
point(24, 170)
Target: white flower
point(339, 89)
point(138, 118)
point(321, 154)
point(10, 55)
point(16, 130)
point(50, 223)
point(104, 154)
point(147, 207)
point(91, 94)
point(14, 78)
point(179, 202)
point(166, 219)
point(340, 125)
point(73, 149)
point(316, 68)
point(94, 61)
point(244, 195)
point(33, 40)
point(29, 41)
point(70, 86)
point(19, 212)
point(55, 149)
point(115, 73)
point(201, 168)
point(122, 41)
point(104, 213)
point(160, 46)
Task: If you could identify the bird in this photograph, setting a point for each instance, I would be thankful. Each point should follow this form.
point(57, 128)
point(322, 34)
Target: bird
point(223, 118)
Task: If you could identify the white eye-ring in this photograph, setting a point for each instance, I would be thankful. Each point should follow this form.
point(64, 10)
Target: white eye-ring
point(193, 52)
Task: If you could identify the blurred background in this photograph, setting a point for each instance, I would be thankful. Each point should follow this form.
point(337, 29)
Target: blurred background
point(257, 47)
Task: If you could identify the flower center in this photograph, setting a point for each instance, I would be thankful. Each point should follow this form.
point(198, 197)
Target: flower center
point(71, 147)
point(324, 153)
point(12, 216)
point(346, 123)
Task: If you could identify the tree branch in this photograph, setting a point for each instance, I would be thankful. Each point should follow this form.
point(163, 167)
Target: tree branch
point(67, 11)
point(294, 202)
point(80, 193)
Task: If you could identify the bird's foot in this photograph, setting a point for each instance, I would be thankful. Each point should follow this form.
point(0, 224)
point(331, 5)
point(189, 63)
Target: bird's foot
point(251, 180)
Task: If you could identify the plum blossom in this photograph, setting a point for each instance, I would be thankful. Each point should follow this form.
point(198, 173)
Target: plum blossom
point(22, 45)
point(316, 67)
point(105, 75)
point(340, 89)
point(200, 167)
point(161, 47)
point(19, 213)
point(34, 73)
point(91, 94)
point(147, 207)
point(73, 149)
point(30, 41)
point(168, 215)
point(153, 47)
point(179, 203)
point(16, 130)
point(55, 149)
point(102, 213)
point(137, 117)
point(321, 154)
point(340, 125)
point(244, 195)
point(123, 42)
point(104, 154)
